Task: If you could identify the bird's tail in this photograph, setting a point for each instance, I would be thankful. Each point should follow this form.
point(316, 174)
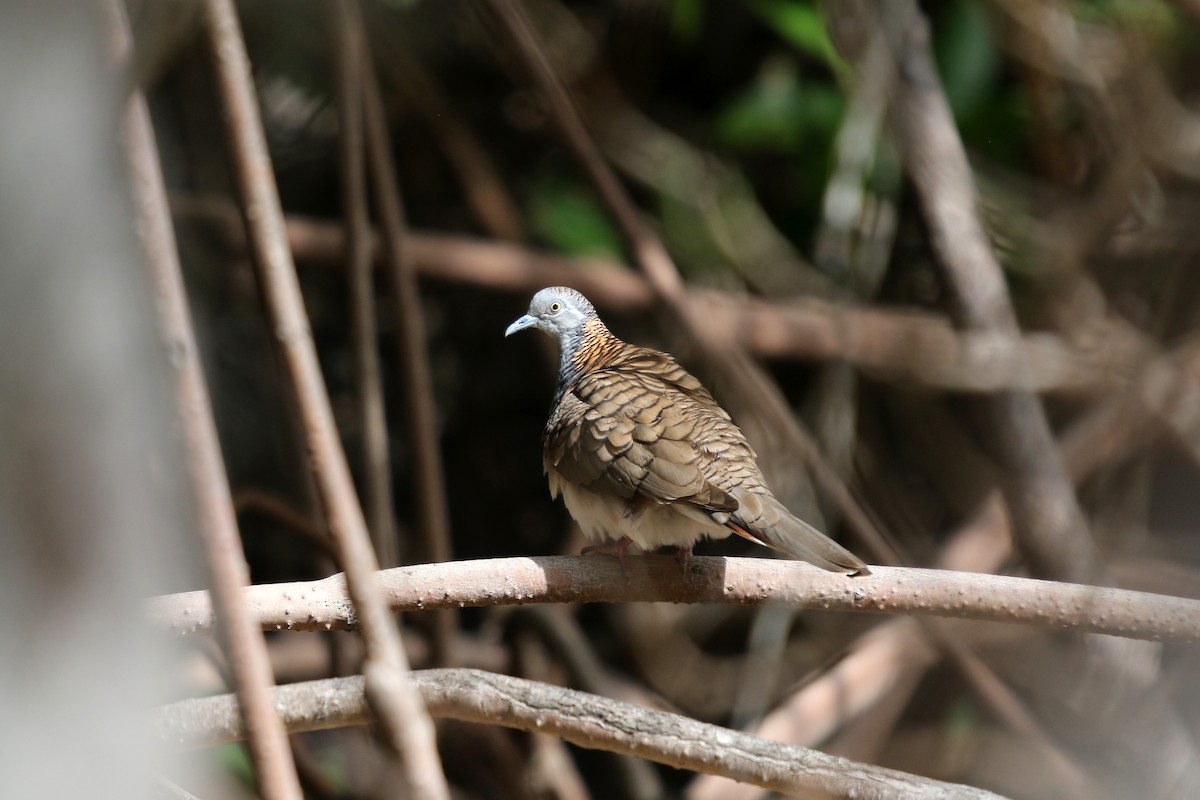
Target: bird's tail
point(766, 521)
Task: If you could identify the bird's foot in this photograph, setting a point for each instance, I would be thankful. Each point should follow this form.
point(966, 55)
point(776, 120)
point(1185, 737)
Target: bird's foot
point(616, 548)
point(683, 554)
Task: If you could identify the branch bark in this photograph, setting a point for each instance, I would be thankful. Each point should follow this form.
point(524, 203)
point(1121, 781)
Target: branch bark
point(583, 719)
point(376, 461)
point(324, 605)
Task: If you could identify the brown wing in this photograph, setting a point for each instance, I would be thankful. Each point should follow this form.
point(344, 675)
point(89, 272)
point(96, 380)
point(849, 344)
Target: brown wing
point(646, 429)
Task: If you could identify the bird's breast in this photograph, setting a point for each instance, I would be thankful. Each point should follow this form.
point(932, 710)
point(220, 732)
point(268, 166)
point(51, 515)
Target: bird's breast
point(649, 525)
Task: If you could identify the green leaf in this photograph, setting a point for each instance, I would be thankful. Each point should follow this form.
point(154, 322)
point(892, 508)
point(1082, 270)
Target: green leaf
point(571, 219)
point(687, 19)
point(800, 25)
point(967, 56)
point(778, 113)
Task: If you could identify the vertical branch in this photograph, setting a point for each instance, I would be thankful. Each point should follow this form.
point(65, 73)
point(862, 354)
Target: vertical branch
point(225, 560)
point(432, 514)
point(408, 729)
point(1049, 526)
point(377, 474)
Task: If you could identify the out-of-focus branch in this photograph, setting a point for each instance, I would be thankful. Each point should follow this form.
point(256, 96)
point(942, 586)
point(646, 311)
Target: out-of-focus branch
point(323, 604)
point(892, 658)
point(901, 345)
point(376, 464)
point(228, 574)
point(408, 728)
point(433, 515)
point(254, 501)
point(1165, 396)
point(489, 198)
point(1049, 527)
point(582, 719)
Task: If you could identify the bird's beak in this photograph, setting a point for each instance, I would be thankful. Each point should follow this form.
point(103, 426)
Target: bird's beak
point(521, 324)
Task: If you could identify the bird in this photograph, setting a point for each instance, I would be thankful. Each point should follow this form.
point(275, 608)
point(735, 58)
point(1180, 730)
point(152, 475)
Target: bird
point(642, 454)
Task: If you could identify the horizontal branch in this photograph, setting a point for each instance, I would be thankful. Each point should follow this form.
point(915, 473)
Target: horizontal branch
point(898, 344)
point(323, 605)
point(584, 719)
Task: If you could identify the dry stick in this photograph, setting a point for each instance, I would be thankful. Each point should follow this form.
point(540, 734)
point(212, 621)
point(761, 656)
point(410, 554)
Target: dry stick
point(561, 634)
point(324, 605)
point(408, 729)
point(377, 473)
point(1163, 396)
point(241, 638)
point(247, 501)
point(551, 767)
point(433, 517)
point(904, 345)
point(580, 718)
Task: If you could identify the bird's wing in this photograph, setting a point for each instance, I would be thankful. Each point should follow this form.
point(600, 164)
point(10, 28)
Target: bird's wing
point(645, 429)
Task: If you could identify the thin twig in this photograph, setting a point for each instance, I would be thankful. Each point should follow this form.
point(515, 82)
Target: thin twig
point(646, 249)
point(409, 730)
point(376, 467)
point(494, 206)
point(228, 574)
point(324, 605)
point(582, 719)
point(433, 516)
point(255, 501)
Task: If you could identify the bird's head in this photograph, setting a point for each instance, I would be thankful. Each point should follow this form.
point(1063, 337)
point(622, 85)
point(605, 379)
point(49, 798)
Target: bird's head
point(557, 311)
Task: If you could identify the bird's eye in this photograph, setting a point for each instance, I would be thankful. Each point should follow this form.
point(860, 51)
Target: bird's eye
point(555, 307)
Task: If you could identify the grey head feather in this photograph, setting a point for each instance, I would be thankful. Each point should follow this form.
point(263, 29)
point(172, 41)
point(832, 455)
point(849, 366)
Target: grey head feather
point(558, 311)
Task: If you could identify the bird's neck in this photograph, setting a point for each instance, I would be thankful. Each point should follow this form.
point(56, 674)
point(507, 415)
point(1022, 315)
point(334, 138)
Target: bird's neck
point(587, 347)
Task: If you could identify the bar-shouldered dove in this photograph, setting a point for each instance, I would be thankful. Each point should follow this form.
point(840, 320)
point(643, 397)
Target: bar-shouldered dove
point(642, 453)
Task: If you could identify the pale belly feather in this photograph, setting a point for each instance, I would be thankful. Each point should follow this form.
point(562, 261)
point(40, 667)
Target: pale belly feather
point(606, 517)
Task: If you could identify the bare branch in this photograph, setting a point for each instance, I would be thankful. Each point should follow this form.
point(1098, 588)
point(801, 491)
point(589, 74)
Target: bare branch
point(902, 345)
point(491, 201)
point(376, 463)
point(433, 514)
point(583, 719)
point(1049, 526)
point(409, 731)
point(242, 641)
point(323, 604)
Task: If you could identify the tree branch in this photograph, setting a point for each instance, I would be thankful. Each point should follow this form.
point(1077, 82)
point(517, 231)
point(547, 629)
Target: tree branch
point(433, 513)
point(228, 574)
point(376, 459)
point(585, 720)
point(409, 730)
point(323, 604)
point(899, 344)
point(1049, 526)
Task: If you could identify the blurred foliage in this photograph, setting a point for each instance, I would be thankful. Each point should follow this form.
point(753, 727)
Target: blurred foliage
point(568, 217)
